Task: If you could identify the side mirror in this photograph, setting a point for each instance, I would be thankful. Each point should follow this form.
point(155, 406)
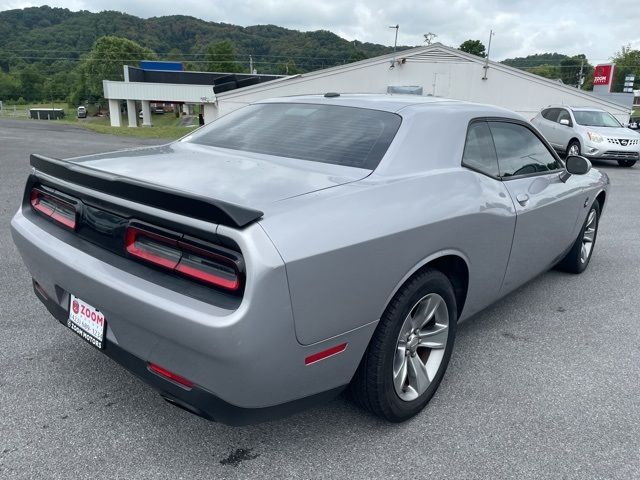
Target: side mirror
point(565, 121)
point(575, 165)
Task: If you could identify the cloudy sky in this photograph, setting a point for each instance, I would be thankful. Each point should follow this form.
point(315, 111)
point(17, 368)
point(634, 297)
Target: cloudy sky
point(595, 28)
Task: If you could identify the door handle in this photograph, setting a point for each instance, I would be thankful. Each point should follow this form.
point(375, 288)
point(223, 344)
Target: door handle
point(522, 199)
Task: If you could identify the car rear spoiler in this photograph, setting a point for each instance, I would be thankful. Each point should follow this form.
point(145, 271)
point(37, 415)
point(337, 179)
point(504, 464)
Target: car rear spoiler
point(175, 201)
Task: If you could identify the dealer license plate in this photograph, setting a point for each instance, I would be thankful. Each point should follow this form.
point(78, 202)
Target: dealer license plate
point(86, 321)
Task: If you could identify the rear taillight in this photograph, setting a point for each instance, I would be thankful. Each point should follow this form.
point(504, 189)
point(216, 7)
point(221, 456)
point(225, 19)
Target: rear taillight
point(57, 209)
point(153, 248)
point(207, 263)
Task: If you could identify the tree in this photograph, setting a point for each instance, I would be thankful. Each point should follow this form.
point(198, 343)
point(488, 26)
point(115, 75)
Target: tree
point(475, 47)
point(627, 62)
point(288, 68)
point(546, 71)
point(174, 55)
point(105, 62)
point(570, 69)
point(31, 83)
point(358, 55)
point(221, 58)
point(9, 86)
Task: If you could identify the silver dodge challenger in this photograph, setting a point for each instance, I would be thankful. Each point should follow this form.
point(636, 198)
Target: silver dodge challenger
point(299, 246)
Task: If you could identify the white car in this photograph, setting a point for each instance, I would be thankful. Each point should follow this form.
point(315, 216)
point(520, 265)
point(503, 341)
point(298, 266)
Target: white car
point(591, 132)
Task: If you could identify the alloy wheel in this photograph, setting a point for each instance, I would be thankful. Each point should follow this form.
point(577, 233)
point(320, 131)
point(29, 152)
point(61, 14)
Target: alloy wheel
point(589, 236)
point(420, 347)
point(574, 149)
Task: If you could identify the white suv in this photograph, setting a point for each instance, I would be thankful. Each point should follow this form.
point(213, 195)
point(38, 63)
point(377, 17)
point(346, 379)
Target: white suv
point(590, 132)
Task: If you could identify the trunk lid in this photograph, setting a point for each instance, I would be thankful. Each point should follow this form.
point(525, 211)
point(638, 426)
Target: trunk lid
point(241, 178)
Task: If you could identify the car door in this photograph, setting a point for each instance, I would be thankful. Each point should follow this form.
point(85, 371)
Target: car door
point(550, 129)
point(546, 208)
point(496, 218)
point(564, 131)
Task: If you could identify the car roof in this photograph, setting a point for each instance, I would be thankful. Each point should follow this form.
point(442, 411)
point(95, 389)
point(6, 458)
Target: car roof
point(577, 109)
point(396, 102)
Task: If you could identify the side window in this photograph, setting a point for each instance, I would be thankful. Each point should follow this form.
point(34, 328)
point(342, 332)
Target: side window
point(564, 115)
point(479, 153)
point(520, 151)
point(551, 114)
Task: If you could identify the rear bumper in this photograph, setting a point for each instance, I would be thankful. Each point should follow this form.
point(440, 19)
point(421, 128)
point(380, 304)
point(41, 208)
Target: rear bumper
point(198, 400)
point(247, 358)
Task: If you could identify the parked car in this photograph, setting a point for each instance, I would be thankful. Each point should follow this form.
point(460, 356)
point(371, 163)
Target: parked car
point(82, 112)
point(300, 246)
point(634, 123)
point(590, 132)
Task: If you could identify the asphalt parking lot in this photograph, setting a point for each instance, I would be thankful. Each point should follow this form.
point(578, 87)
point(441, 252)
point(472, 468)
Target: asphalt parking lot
point(544, 384)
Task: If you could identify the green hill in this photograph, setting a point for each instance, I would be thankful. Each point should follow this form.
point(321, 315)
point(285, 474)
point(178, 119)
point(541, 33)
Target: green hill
point(56, 38)
point(531, 61)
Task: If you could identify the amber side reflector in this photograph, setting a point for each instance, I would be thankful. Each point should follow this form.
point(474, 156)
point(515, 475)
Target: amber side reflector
point(329, 352)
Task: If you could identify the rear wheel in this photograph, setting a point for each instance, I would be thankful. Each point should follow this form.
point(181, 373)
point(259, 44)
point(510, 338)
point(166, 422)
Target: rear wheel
point(573, 148)
point(578, 257)
point(410, 350)
point(626, 163)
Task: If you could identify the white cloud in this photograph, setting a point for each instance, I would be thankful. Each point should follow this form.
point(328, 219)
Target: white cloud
point(522, 27)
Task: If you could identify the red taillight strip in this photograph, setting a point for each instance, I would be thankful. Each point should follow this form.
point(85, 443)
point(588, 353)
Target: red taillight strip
point(329, 352)
point(130, 243)
point(36, 195)
point(36, 202)
point(67, 222)
point(178, 265)
point(174, 377)
point(208, 277)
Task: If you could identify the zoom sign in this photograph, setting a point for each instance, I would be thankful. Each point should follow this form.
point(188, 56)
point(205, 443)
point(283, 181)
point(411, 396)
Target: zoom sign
point(603, 74)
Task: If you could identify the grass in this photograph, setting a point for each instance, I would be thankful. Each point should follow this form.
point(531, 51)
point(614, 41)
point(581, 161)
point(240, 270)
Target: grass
point(157, 131)
point(164, 126)
point(22, 111)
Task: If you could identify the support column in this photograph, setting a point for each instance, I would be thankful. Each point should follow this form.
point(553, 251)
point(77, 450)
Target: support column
point(114, 112)
point(210, 112)
point(146, 114)
point(131, 113)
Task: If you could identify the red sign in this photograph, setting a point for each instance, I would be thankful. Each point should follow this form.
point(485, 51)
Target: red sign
point(603, 74)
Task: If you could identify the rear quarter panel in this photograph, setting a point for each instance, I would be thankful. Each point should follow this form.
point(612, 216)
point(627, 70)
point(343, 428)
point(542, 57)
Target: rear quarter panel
point(348, 249)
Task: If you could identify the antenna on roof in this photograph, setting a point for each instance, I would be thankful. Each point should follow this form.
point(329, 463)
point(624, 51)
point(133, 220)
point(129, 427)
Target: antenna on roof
point(428, 38)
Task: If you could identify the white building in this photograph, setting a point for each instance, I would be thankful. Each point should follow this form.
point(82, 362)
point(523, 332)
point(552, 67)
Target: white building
point(162, 82)
point(432, 70)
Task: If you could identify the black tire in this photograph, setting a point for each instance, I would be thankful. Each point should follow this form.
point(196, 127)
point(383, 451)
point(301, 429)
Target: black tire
point(573, 262)
point(372, 386)
point(626, 163)
point(576, 144)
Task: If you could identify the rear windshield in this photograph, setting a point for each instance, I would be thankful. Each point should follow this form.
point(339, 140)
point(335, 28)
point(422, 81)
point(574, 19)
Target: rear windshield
point(354, 137)
point(595, 119)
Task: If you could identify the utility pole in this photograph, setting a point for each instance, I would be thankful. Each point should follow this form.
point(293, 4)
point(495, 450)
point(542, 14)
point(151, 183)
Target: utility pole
point(395, 43)
point(486, 61)
point(250, 64)
point(581, 75)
